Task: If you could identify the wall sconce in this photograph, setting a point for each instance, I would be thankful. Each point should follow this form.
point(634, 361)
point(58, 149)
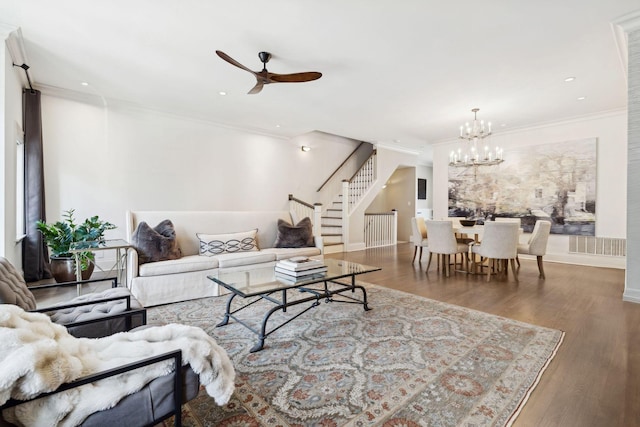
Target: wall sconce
point(305, 148)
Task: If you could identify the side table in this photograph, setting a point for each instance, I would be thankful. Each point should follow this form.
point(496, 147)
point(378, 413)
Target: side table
point(115, 244)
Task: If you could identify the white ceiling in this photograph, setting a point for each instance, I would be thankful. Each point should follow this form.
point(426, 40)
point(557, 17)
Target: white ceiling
point(402, 72)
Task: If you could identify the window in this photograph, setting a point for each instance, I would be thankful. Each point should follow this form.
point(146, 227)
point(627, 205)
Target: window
point(20, 181)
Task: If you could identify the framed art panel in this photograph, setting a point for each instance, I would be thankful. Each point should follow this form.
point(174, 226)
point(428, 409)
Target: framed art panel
point(554, 182)
point(422, 189)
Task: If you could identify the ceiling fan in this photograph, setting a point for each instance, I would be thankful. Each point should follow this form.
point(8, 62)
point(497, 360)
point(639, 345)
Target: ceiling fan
point(265, 77)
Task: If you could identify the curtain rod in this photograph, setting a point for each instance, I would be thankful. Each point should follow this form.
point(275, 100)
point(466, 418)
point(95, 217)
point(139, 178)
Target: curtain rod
point(25, 67)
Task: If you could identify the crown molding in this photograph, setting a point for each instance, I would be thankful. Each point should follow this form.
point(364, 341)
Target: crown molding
point(629, 22)
point(58, 92)
point(396, 148)
point(6, 30)
point(621, 27)
point(15, 46)
point(101, 101)
point(542, 125)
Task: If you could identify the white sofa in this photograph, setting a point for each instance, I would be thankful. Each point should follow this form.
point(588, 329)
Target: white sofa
point(183, 279)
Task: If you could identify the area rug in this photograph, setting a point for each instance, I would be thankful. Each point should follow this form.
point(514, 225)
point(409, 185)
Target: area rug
point(410, 361)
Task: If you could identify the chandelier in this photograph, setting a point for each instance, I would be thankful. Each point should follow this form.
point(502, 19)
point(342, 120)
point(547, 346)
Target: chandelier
point(474, 133)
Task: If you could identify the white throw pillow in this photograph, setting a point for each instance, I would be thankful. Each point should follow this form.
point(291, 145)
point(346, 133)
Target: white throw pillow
point(215, 244)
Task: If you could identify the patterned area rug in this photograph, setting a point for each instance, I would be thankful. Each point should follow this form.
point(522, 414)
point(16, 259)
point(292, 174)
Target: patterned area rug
point(410, 361)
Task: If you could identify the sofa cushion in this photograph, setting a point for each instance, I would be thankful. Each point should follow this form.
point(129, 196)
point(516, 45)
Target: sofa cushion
point(294, 236)
point(239, 259)
point(156, 244)
point(215, 244)
point(183, 265)
point(285, 253)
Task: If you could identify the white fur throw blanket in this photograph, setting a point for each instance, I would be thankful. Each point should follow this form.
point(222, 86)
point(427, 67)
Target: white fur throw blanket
point(37, 355)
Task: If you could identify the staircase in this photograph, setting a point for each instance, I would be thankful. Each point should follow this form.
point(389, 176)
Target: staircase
point(343, 193)
point(331, 228)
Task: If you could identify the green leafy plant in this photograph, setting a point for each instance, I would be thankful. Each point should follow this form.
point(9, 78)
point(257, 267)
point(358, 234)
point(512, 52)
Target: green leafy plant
point(65, 235)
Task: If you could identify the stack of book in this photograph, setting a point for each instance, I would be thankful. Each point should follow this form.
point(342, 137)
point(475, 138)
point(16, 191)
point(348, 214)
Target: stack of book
point(299, 268)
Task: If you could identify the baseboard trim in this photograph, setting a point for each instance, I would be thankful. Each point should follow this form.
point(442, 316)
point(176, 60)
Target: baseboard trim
point(631, 295)
point(353, 247)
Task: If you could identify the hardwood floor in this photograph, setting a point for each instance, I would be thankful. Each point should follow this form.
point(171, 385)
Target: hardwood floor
point(594, 380)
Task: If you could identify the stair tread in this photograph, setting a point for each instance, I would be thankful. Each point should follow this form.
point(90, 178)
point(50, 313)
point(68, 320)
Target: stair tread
point(333, 244)
point(330, 217)
point(331, 234)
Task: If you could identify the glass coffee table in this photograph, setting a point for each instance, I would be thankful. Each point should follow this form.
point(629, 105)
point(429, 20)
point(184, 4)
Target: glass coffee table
point(337, 284)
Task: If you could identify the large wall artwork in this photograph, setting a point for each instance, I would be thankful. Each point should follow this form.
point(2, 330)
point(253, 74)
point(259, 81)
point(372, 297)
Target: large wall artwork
point(555, 182)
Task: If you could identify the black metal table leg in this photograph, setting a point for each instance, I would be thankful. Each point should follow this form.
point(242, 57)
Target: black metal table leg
point(227, 312)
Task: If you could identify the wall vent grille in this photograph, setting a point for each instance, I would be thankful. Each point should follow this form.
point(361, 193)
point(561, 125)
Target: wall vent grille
point(607, 246)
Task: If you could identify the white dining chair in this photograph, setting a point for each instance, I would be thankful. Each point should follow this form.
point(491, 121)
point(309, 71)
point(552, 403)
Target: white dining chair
point(419, 237)
point(537, 244)
point(442, 241)
point(499, 242)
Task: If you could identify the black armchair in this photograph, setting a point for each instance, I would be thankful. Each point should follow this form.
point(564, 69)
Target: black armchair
point(92, 315)
point(158, 400)
point(135, 378)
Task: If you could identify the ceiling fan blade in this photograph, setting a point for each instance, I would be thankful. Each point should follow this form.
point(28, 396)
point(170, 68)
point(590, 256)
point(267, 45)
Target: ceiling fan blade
point(232, 61)
point(257, 88)
point(295, 78)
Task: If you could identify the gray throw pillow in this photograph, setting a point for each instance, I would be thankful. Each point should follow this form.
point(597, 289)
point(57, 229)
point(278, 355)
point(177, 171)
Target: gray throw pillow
point(156, 244)
point(294, 236)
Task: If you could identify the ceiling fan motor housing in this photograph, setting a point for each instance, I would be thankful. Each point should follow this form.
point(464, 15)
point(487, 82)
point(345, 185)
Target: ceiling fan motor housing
point(264, 57)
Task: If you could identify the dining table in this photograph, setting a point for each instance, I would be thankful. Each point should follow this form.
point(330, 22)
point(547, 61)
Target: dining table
point(476, 230)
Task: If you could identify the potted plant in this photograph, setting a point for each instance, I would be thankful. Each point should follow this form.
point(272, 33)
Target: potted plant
point(65, 235)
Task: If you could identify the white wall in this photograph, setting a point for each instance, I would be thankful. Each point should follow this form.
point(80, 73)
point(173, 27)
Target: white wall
point(388, 160)
point(104, 160)
point(611, 132)
point(632, 279)
point(400, 194)
point(11, 111)
point(425, 172)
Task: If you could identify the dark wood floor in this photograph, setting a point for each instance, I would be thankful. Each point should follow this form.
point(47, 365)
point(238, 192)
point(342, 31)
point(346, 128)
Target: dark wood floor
point(594, 380)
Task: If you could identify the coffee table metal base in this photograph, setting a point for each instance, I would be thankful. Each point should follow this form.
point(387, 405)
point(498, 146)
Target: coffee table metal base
point(317, 293)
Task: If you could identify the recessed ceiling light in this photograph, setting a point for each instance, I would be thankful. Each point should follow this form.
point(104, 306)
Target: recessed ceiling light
point(503, 125)
point(569, 79)
point(582, 98)
point(223, 93)
point(84, 84)
point(277, 126)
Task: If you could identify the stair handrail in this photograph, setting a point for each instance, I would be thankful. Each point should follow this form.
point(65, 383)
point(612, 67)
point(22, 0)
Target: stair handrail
point(341, 164)
point(314, 212)
point(373, 153)
point(302, 202)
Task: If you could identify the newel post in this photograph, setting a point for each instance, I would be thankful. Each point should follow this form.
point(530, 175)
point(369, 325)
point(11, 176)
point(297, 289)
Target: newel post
point(317, 221)
point(345, 214)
